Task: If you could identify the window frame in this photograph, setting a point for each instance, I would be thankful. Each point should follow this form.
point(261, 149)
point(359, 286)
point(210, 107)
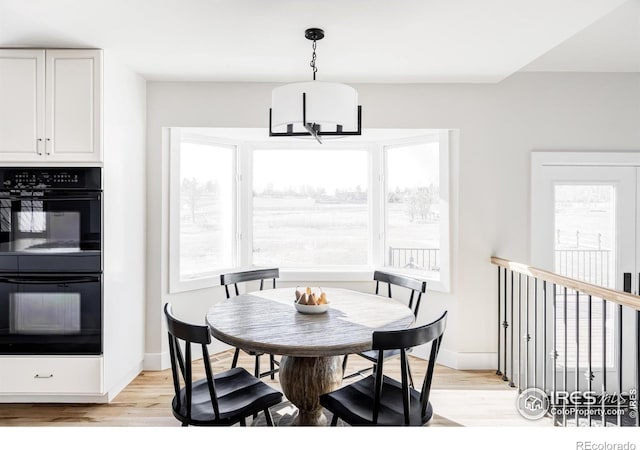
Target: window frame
point(443, 138)
point(176, 284)
point(243, 208)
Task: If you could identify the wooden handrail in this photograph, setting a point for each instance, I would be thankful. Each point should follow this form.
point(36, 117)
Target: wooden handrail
point(619, 297)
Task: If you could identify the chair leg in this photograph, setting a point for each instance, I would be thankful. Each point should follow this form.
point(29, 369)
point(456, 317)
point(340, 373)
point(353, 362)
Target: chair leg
point(334, 420)
point(272, 366)
point(234, 363)
point(344, 364)
point(184, 424)
point(257, 374)
point(243, 422)
point(268, 418)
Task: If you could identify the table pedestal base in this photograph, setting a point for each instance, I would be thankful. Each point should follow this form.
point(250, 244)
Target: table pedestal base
point(303, 380)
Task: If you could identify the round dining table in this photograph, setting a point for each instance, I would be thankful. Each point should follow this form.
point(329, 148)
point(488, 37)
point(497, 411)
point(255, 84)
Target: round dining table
point(312, 345)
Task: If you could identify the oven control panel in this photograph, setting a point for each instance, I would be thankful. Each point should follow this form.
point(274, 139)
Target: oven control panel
point(50, 178)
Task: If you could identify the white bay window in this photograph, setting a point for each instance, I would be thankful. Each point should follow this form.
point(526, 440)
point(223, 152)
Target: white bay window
point(330, 212)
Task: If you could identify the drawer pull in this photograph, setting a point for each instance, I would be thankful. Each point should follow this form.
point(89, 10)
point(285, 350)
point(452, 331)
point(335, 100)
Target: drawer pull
point(43, 376)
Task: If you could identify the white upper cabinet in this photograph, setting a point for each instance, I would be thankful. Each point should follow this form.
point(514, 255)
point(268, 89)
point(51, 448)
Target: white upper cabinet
point(22, 76)
point(73, 105)
point(50, 105)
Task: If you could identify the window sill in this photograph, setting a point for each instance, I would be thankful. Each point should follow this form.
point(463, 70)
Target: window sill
point(346, 275)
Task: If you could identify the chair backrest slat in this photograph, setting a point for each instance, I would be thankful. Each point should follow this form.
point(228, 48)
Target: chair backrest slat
point(179, 356)
point(413, 284)
point(187, 377)
point(402, 340)
point(426, 384)
point(378, 387)
point(174, 369)
point(210, 382)
point(234, 278)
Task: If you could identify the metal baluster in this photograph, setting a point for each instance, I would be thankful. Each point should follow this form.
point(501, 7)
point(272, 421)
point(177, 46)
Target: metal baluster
point(528, 337)
point(604, 360)
point(499, 317)
point(577, 386)
point(637, 363)
point(564, 369)
point(555, 350)
point(535, 332)
point(619, 363)
point(544, 336)
point(505, 325)
point(589, 351)
point(511, 383)
point(519, 332)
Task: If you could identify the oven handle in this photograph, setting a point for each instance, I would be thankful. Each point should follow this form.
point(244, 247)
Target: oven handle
point(51, 280)
point(29, 198)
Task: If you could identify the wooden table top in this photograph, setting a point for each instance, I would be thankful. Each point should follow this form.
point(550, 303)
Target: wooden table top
point(267, 321)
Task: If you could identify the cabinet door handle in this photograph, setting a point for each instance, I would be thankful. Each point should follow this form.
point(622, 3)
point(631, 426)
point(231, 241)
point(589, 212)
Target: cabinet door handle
point(43, 376)
point(46, 146)
point(38, 143)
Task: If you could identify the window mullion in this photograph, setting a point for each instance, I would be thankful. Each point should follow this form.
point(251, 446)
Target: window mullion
point(376, 205)
point(244, 206)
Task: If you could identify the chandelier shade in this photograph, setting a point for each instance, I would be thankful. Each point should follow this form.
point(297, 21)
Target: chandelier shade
point(328, 105)
point(315, 108)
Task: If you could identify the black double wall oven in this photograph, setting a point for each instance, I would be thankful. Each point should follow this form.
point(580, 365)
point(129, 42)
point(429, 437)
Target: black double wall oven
point(50, 261)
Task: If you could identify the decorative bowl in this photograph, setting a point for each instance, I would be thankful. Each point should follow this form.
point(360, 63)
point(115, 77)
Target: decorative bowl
point(312, 309)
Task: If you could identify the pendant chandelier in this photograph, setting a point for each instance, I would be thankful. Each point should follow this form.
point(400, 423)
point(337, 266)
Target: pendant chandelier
point(315, 108)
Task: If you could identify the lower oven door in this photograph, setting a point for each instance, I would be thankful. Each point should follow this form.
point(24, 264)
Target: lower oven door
point(50, 314)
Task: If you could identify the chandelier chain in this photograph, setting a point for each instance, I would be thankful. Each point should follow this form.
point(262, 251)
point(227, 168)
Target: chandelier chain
point(313, 61)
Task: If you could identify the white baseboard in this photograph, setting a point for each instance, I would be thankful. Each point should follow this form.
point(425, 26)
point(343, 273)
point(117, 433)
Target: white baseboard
point(156, 361)
point(467, 361)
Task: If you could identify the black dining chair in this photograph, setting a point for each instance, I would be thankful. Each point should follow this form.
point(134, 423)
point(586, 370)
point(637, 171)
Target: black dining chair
point(234, 278)
point(380, 400)
point(225, 398)
point(417, 288)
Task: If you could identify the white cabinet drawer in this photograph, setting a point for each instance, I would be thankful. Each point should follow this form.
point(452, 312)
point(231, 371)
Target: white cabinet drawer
point(51, 375)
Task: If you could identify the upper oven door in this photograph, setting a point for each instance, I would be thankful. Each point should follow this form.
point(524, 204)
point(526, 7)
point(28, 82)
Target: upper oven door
point(50, 222)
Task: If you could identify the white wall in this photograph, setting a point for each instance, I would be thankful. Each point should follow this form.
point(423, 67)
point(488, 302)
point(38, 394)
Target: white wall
point(499, 126)
point(124, 223)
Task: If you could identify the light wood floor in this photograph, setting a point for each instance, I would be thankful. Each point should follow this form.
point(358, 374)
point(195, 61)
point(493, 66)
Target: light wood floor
point(459, 398)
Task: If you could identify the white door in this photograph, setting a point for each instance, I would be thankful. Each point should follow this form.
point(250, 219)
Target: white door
point(584, 225)
point(22, 84)
point(74, 95)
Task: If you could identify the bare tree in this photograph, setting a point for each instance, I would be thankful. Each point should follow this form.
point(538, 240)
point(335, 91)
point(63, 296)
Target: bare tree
point(191, 193)
point(419, 202)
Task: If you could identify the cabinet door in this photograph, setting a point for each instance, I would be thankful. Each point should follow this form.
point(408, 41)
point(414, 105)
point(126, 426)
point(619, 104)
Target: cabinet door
point(22, 84)
point(73, 104)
